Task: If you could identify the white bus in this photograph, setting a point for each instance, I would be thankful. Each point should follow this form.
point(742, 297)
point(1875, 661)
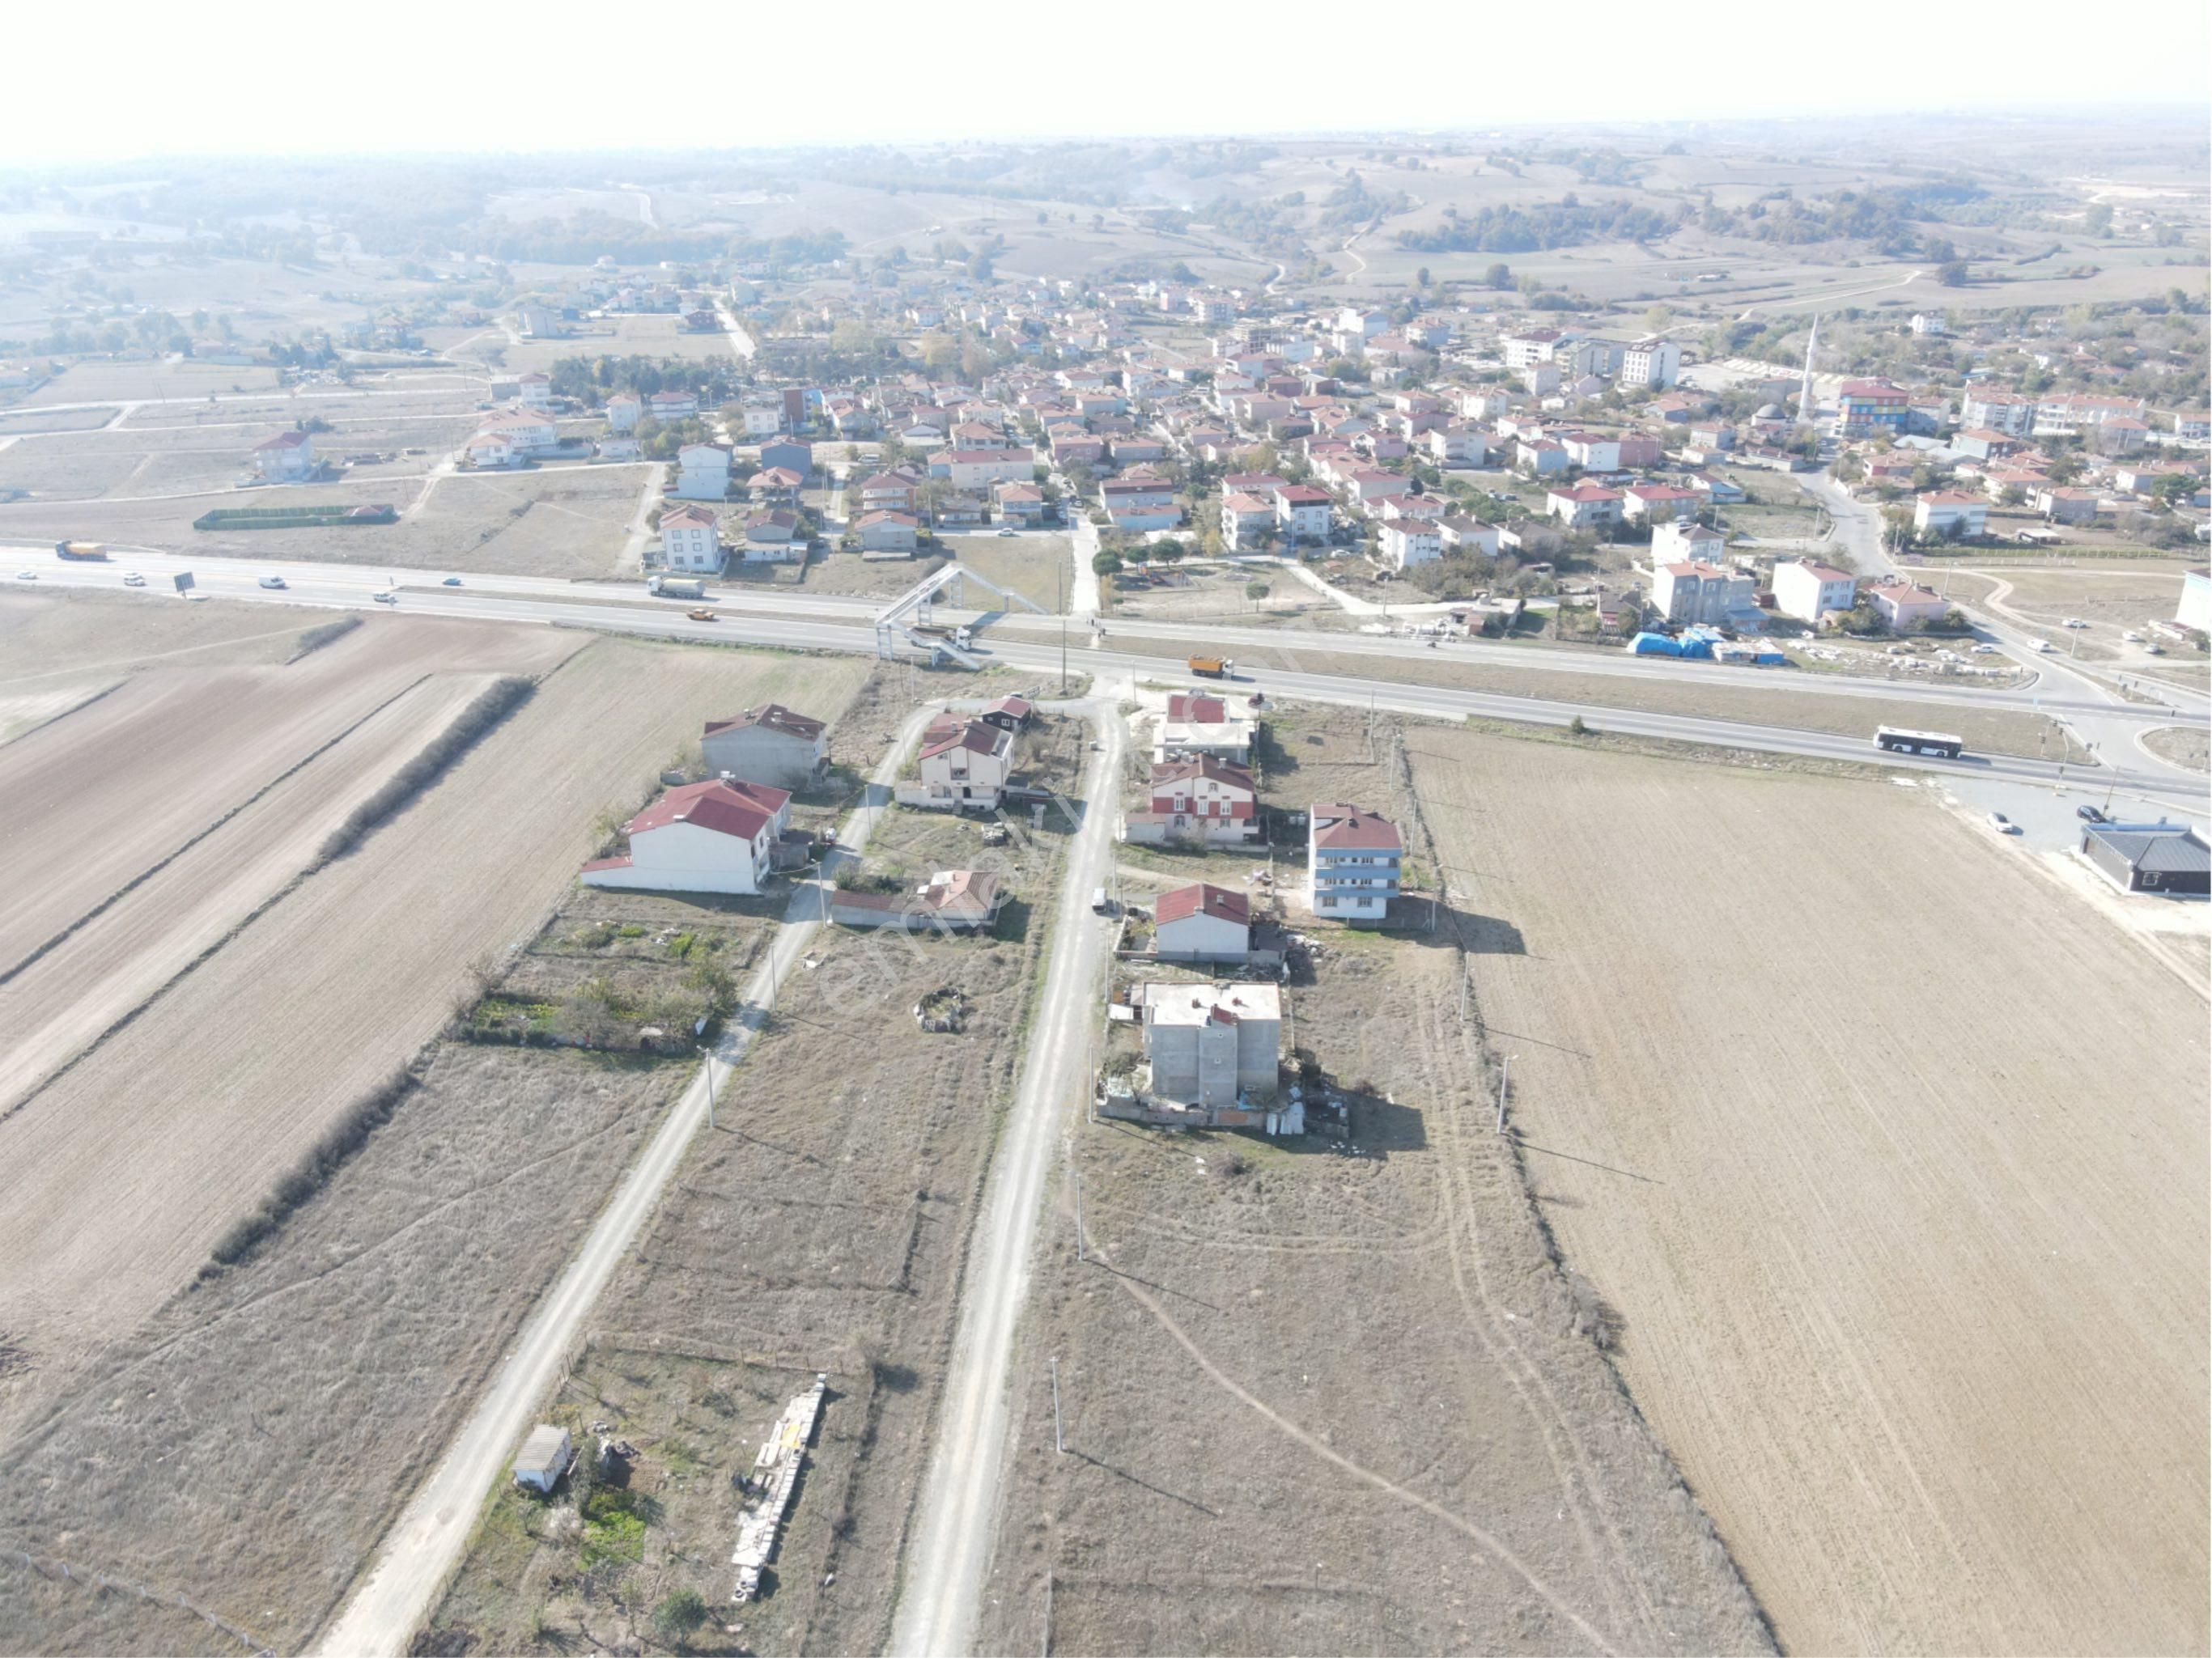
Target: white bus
point(1935, 744)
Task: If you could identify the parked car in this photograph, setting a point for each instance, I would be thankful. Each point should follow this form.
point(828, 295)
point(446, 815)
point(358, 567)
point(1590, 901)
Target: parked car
point(2089, 814)
point(134, 580)
point(2076, 621)
point(2002, 824)
point(1009, 530)
point(1100, 903)
point(1986, 649)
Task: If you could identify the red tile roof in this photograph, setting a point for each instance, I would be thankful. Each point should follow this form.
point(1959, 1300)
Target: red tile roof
point(716, 805)
point(1217, 901)
point(776, 717)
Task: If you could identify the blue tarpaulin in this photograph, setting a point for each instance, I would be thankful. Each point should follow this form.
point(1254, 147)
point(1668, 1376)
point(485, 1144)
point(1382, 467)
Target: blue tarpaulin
point(1654, 645)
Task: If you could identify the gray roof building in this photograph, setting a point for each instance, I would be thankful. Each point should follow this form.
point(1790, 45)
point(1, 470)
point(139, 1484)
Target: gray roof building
point(2166, 858)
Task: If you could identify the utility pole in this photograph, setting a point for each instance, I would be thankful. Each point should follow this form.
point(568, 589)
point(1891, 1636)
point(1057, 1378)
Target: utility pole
point(1081, 1252)
point(1059, 1444)
point(1504, 1070)
point(708, 1053)
point(1063, 656)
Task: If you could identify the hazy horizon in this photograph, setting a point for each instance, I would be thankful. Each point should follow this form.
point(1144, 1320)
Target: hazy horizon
point(473, 87)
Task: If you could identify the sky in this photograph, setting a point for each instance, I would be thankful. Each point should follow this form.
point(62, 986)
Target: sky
point(409, 77)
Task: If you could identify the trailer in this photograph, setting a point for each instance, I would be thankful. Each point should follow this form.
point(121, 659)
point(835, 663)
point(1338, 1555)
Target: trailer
point(1938, 745)
point(91, 551)
point(1210, 667)
point(670, 586)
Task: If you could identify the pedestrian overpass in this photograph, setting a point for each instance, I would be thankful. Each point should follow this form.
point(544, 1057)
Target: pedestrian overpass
point(906, 619)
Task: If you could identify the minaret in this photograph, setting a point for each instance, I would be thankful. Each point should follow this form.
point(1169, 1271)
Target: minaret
point(1805, 388)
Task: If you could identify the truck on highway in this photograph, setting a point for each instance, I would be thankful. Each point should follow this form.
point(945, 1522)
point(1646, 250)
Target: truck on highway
point(1211, 667)
point(92, 550)
point(673, 586)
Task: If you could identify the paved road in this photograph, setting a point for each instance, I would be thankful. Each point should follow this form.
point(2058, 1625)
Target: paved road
point(941, 1577)
point(832, 628)
point(422, 1550)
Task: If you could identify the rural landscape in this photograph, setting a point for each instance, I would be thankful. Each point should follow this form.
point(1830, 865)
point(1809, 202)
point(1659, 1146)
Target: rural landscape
point(1390, 891)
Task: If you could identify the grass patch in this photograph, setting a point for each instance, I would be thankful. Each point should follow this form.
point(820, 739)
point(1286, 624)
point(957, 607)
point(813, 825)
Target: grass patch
point(474, 722)
point(314, 1171)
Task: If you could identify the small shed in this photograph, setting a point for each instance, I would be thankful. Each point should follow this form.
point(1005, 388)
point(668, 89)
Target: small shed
point(544, 1458)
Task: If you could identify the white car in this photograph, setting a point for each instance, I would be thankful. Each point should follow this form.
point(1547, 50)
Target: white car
point(385, 597)
point(2002, 824)
point(134, 580)
point(2046, 646)
point(1009, 531)
point(2132, 637)
point(2076, 621)
point(1985, 650)
point(26, 575)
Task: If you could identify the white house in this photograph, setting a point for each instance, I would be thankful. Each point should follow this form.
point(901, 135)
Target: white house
point(285, 458)
point(702, 471)
point(691, 540)
point(517, 436)
point(965, 764)
point(536, 391)
point(1209, 1044)
point(1201, 922)
point(1691, 591)
point(701, 837)
point(666, 406)
point(1685, 540)
point(1246, 521)
point(1809, 590)
point(1950, 513)
point(1584, 505)
point(1302, 510)
point(623, 410)
point(1406, 542)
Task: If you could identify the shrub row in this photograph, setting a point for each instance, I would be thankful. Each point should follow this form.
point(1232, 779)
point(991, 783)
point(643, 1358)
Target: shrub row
point(315, 638)
point(497, 701)
point(314, 1171)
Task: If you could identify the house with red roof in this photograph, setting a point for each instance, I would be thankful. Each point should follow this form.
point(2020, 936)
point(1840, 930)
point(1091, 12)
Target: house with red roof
point(1202, 800)
point(1354, 858)
point(769, 744)
point(963, 765)
point(1201, 922)
point(1583, 505)
point(285, 458)
point(702, 837)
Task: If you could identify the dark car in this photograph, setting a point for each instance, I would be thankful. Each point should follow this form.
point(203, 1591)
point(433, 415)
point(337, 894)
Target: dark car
point(2089, 814)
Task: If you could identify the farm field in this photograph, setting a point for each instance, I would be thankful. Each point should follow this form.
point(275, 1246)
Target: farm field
point(269, 1039)
point(555, 522)
point(652, 335)
point(1767, 702)
point(1316, 1400)
point(1927, 1342)
point(820, 1227)
point(95, 381)
point(384, 1303)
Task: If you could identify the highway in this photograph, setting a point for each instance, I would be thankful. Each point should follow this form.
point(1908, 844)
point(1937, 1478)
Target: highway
point(833, 622)
point(424, 1547)
point(949, 1551)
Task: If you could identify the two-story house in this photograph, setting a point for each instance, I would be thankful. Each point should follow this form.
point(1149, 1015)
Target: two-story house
point(964, 764)
point(1201, 798)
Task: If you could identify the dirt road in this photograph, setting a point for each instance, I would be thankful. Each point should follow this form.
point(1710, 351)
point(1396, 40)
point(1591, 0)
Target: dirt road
point(953, 1532)
point(1891, 1156)
point(426, 1543)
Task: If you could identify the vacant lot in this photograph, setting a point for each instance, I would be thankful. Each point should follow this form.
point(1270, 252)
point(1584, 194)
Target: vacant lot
point(1761, 698)
point(1909, 1276)
point(109, 382)
point(1331, 1394)
point(264, 1042)
point(555, 522)
point(820, 1227)
point(2113, 599)
point(1218, 593)
point(381, 1306)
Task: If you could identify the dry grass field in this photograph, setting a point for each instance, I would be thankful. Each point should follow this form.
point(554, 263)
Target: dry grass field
point(1036, 566)
point(555, 521)
point(2185, 745)
point(1889, 1156)
point(93, 381)
point(1333, 1395)
point(820, 1227)
point(263, 1043)
point(2113, 597)
point(248, 1443)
